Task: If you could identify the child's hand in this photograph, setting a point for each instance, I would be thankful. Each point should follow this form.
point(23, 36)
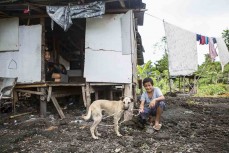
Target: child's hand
point(152, 103)
point(141, 110)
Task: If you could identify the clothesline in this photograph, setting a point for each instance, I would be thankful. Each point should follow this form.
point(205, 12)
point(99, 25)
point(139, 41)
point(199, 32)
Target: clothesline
point(155, 17)
point(182, 42)
point(162, 20)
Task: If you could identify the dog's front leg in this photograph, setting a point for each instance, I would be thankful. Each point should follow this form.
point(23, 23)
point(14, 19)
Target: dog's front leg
point(96, 132)
point(116, 126)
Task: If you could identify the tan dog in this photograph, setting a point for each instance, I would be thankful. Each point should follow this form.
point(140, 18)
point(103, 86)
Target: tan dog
point(115, 108)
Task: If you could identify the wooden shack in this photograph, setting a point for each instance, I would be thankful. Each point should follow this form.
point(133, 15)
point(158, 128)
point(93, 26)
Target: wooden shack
point(100, 53)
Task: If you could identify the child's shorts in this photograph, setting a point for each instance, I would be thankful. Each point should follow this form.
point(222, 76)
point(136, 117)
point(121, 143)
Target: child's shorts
point(152, 111)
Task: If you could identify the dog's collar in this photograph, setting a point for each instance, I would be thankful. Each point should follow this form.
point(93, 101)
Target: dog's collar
point(125, 109)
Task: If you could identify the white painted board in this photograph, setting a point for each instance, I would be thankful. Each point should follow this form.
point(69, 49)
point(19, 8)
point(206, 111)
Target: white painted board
point(26, 63)
point(107, 66)
point(9, 38)
point(104, 33)
point(127, 33)
point(104, 59)
point(106, 40)
point(129, 44)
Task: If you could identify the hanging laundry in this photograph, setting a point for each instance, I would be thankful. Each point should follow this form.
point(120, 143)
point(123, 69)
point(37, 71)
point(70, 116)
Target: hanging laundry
point(214, 41)
point(223, 52)
point(212, 49)
point(206, 40)
point(202, 40)
point(182, 52)
point(198, 37)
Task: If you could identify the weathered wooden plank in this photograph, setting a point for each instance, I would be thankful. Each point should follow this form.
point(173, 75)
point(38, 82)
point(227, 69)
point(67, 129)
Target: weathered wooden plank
point(96, 95)
point(52, 84)
point(122, 3)
point(30, 91)
point(42, 22)
point(18, 115)
point(104, 84)
point(128, 115)
point(84, 96)
point(18, 86)
point(57, 107)
point(43, 103)
point(49, 94)
point(111, 94)
point(124, 10)
point(62, 94)
point(15, 100)
point(66, 84)
point(37, 9)
point(88, 95)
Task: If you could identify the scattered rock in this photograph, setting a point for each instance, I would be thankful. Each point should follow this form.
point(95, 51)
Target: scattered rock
point(160, 136)
point(149, 129)
point(51, 128)
point(117, 149)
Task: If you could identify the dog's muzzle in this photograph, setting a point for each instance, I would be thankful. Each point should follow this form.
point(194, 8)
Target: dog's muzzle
point(126, 108)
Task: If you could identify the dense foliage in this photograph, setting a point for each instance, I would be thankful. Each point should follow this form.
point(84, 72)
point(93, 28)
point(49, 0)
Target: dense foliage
point(225, 35)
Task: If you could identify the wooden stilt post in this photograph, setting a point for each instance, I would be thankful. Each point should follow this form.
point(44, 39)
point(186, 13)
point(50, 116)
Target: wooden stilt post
point(105, 94)
point(49, 94)
point(128, 92)
point(96, 94)
point(43, 103)
point(42, 22)
point(179, 84)
point(15, 100)
point(135, 95)
point(183, 84)
point(170, 87)
point(84, 96)
point(189, 87)
point(111, 94)
point(43, 100)
point(88, 95)
point(195, 85)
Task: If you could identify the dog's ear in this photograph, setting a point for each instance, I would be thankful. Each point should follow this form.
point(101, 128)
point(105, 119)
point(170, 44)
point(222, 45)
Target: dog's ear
point(121, 98)
point(131, 99)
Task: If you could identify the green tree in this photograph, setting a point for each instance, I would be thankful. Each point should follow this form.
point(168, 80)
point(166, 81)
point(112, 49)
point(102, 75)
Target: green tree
point(145, 70)
point(225, 35)
point(162, 64)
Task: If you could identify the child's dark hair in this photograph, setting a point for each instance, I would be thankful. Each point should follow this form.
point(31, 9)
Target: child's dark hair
point(148, 80)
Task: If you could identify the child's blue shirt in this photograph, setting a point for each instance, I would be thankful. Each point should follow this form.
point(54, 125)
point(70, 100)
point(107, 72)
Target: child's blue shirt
point(156, 93)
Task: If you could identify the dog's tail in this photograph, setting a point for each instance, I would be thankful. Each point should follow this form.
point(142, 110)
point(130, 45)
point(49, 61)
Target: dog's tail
point(88, 116)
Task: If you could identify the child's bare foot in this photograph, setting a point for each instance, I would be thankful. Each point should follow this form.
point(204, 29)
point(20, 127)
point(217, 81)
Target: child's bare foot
point(157, 127)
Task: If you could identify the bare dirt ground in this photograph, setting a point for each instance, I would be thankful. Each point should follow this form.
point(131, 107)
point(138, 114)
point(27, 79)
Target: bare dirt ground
point(189, 125)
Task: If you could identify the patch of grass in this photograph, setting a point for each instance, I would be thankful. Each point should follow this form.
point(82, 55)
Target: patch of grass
point(144, 146)
point(191, 102)
point(212, 90)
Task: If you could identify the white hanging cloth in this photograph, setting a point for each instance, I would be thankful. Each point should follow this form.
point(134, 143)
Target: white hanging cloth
point(223, 52)
point(182, 50)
